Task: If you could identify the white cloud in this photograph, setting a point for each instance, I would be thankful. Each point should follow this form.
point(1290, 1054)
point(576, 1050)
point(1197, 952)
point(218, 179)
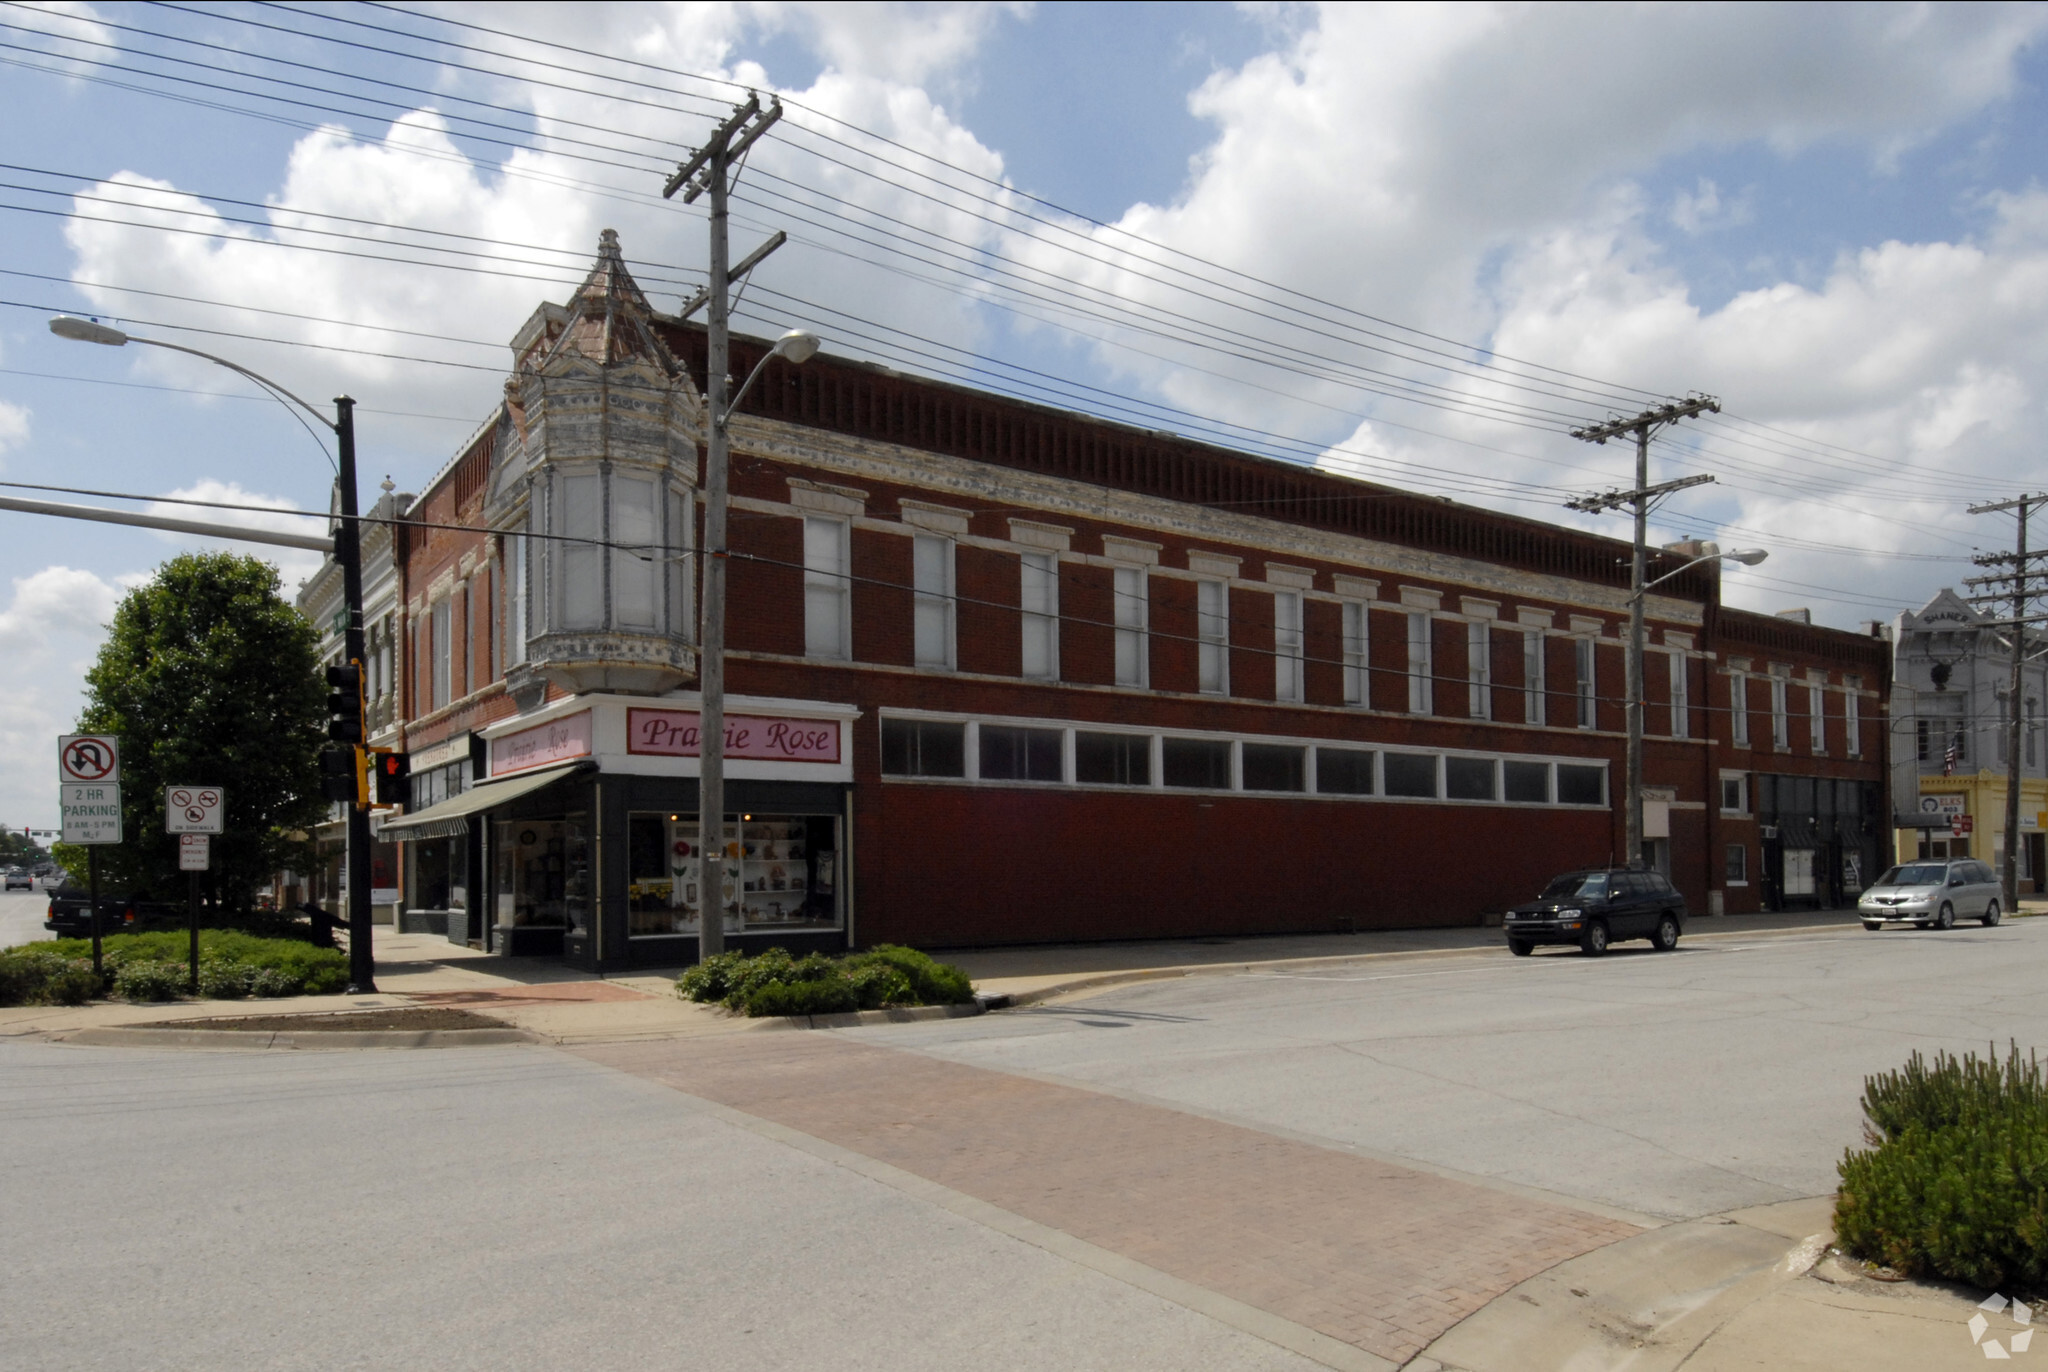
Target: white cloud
point(1702, 210)
point(13, 425)
point(50, 630)
point(293, 564)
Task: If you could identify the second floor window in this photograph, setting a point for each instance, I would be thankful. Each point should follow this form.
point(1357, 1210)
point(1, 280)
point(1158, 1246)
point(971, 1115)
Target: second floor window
point(1852, 720)
point(1738, 709)
point(1479, 669)
point(1532, 676)
point(1212, 624)
point(1357, 655)
point(1781, 713)
point(1041, 605)
point(932, 572)
point(827, 631)
point(1681, 705)
point(1132, 620)
point(1588, 685)
point(1817, 710)
point(1287, 645)
point(514, 592)
point(440, 649)
point(1421, 666)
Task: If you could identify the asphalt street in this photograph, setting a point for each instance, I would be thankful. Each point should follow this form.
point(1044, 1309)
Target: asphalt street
point(1674, 1084)
point(526, 1207)
point(21, 917)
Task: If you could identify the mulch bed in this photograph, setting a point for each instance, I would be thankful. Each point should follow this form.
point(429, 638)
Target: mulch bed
point(348, 1021)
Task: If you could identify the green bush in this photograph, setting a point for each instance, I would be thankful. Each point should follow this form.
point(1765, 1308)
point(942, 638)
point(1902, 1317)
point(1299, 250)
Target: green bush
point(275, 966)
point(1956, 1182)
point(141, 980)
point(877, 985)
point(222, 980)
point(932, 982)
point(887, 975)
point(37, 976)
point(833, 997)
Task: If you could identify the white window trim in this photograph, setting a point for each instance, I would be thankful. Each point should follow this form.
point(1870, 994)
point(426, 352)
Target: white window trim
point(1421, 663)
point(1479, 668)
point(1586, 682)
point(828, 586)
point(1681, 697)
point(1535, 649)
point(941, 598)
point(1044, 619)
point(1289, 635)
point(1131, 614)
point(1741, 779)
point(1212, 636)
point(1355, 623)
point(1738, 709)
point(1817, 727)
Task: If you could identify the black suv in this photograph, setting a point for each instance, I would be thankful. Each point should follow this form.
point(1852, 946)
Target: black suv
point(1595, 907)
point(70, 914)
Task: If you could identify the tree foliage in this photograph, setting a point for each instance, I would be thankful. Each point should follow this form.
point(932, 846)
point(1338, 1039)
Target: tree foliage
point(210, 678)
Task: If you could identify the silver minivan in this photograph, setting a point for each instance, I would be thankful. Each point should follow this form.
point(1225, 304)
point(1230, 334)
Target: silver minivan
point(1932, 894)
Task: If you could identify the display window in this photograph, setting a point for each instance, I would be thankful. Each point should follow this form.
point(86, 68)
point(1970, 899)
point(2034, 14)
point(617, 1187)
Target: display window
point(781, 872)
point(440, 874)
point(543, 876)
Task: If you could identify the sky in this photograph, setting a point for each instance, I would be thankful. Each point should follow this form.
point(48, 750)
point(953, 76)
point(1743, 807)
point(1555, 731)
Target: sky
point(1416, 244)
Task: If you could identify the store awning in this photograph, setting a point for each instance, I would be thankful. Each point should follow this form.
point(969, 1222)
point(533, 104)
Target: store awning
point(451, 816)
point(1920, 821)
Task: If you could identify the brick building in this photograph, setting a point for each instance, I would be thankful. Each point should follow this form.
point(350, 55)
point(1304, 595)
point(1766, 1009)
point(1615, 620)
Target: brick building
point(1001, 673)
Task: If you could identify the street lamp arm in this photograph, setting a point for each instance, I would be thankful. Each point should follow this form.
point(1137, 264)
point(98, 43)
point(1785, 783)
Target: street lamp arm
point(796, 345)
point(92, 331)
point(1748, 557)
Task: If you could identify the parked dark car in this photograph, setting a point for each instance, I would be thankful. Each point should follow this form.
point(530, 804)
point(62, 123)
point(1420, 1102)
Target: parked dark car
point(1597, 906)
point(70, 914)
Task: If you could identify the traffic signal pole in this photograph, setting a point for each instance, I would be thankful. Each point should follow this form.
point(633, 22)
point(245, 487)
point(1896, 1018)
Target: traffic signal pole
point(362, 962)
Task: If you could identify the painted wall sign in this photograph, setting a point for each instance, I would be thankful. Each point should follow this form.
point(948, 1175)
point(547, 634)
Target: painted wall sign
point(559, 740)
point(759, 738)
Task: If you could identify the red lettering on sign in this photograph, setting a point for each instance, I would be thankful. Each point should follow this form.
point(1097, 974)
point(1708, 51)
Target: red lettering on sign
point(676, 733)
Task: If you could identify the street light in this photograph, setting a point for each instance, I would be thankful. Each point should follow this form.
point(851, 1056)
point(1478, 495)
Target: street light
point(348, 553)
point(1748, 557)
point(797, 347)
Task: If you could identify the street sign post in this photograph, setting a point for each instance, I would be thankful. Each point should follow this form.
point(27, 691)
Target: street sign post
point(195, 852)
point(1960, 826)
point(89, 797)
point(192, 809)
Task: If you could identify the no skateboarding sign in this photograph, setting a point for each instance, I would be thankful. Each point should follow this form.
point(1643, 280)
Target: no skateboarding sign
point(192, 809)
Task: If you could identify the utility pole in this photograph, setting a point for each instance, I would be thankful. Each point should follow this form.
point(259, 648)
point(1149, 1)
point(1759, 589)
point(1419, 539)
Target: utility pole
point(709, 170)
point(1641, 500)
point(2020, 586)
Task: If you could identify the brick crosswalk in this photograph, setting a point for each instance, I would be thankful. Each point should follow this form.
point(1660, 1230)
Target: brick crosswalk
point(1379, 1256)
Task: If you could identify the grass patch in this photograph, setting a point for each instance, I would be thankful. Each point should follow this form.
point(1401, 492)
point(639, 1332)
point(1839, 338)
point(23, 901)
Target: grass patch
point(1955, 1181)
point(774, 983)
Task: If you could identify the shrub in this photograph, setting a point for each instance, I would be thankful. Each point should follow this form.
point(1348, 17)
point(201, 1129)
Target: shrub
point(295, 966)
point(36, 976)
point(142, 980)
point(712, 979)
point(1956, 1184)
point(932, 983)
point(820, 984)
point(833, 997)
point(222, 980)
point(877, 985)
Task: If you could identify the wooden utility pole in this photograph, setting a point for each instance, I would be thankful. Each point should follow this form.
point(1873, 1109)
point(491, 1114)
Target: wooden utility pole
point(710, 170)
point(2019, 586)
point(1640, 500)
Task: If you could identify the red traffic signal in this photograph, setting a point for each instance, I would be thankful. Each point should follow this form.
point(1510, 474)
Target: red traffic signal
point(393, 772)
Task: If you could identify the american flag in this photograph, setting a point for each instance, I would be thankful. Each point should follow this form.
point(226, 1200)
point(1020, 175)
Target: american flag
point(1948, 758)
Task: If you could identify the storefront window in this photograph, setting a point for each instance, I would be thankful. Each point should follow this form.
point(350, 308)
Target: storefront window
point(782, 873)
point(440, 874)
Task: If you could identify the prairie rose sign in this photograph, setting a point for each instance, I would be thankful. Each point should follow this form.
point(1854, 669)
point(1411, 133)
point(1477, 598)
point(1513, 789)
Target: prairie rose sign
point(560, 740)
point(760, 738)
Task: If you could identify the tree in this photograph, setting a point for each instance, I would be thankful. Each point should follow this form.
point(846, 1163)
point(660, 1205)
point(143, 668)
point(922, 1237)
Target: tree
point(17, 847)
point(210, 678)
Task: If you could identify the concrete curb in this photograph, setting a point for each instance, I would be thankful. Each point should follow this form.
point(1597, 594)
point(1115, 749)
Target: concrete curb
point(1097, 981)
point(113, 1036)
point(855, 1019)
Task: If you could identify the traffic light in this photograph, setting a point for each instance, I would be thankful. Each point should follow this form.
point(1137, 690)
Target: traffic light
point(345, 703)
point(340, 778)
point(394, 776)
